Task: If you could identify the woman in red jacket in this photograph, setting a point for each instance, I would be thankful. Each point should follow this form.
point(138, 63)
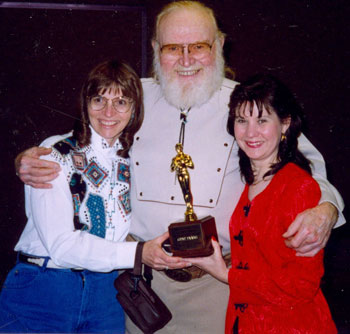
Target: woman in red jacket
point(271, 289)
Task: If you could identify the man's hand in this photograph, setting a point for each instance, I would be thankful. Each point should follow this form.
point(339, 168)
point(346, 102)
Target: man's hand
point(154, 256)
point(311, 229)
point(34, 171)
point(213, 264)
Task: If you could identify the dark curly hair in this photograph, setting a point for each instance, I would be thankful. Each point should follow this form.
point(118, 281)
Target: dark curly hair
point(103, 76)
point(268, 92)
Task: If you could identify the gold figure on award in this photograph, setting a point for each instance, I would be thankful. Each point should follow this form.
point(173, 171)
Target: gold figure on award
point(192, 237)
point(179, 164)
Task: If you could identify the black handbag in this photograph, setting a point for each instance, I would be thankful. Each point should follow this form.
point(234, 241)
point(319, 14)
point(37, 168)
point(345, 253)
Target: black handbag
point(137, 298)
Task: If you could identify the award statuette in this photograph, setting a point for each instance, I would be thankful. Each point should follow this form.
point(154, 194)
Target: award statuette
point(192, 237)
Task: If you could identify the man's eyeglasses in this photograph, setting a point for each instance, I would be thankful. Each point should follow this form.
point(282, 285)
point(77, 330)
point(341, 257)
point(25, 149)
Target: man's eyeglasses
point(121, 104)
point(199, 49)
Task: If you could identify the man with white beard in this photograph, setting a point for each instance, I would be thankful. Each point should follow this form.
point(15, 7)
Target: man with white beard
point(189, 92)
point(182, 94)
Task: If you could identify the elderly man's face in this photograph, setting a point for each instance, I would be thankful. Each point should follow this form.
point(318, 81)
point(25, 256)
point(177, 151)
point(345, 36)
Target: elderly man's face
point(188, 78)
point(186, 27)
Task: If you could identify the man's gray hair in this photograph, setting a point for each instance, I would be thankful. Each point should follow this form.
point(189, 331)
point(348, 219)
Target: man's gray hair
point(189, 5)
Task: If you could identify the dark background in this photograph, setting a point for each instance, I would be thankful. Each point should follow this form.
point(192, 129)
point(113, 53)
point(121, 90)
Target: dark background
point(46, 49)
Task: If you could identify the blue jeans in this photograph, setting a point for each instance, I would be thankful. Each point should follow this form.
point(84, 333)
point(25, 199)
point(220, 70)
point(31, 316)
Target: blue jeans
point(42, 300)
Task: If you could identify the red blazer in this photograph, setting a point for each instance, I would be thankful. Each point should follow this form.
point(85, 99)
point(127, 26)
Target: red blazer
point(271, 289)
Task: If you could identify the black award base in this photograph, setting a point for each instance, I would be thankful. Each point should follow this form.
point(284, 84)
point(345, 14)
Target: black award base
point(192, 238)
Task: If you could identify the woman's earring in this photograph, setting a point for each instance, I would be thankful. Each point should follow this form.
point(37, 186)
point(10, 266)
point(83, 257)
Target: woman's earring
point(283, 137)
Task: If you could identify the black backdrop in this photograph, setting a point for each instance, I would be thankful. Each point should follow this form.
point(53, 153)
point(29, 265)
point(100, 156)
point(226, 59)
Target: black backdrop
point(48, 47)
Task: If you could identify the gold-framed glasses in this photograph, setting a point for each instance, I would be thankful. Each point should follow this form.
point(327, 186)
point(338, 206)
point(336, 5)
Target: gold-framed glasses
point(198, 49)
point(121, 104)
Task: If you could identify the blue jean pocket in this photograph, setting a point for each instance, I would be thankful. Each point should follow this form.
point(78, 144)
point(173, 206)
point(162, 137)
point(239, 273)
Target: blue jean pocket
point(21, 276)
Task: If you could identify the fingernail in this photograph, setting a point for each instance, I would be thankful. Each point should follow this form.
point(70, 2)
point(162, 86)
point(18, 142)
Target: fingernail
point(213, 238)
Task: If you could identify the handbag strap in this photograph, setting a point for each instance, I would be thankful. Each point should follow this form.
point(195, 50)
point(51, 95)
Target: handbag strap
point(138, 259)
point(148, 274)
point(137, 272)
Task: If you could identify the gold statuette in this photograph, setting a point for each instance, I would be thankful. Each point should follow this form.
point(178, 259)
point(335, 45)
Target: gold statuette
point(192, 237)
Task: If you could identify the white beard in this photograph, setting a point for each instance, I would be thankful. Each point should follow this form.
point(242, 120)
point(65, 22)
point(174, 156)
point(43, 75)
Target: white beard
point(194, 93)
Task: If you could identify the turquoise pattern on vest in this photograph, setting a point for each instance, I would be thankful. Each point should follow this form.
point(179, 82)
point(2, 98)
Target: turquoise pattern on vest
point(97, 215)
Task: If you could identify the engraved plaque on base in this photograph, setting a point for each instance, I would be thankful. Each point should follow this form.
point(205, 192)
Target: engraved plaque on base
point(192, 238)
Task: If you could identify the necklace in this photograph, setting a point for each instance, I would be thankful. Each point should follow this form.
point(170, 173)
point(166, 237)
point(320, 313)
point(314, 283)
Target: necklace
point(263, 179)
point(183, 119)
point(257, 182)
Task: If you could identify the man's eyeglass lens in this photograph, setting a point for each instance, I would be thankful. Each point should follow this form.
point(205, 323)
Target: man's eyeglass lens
point(195, 49)
point(121, 104)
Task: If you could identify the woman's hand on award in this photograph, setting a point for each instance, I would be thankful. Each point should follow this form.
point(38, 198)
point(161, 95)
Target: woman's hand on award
point(154, 256)
point(213, 264)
